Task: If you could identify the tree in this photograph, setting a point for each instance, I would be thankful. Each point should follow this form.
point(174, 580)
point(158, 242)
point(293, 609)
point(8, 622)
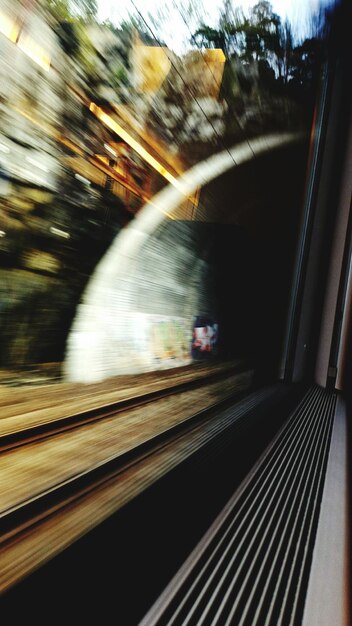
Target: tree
point(286, 41)
point(228, 36)
point(207, 37)
point(305, 65)
point(262, 33)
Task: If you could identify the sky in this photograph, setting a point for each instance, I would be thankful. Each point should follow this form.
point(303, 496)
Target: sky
point(176, 32)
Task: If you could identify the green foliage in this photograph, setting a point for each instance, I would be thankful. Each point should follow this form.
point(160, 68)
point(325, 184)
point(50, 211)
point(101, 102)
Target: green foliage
point(71, 15)
point(60, 9)
point(120, 77)
point(71, 9)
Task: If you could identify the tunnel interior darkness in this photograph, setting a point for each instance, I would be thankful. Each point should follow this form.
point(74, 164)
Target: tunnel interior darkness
point(252, 247)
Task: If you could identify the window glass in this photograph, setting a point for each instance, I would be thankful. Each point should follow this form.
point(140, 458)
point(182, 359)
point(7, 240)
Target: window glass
point(186, 123)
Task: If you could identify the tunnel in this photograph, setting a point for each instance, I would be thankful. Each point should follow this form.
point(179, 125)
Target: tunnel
point(236, 252)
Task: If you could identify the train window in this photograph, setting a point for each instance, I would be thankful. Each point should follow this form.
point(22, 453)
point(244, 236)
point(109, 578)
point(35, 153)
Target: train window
point(175, 255)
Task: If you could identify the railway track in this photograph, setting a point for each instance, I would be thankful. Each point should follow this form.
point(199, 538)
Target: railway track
point(14, 432)
point(63, 478)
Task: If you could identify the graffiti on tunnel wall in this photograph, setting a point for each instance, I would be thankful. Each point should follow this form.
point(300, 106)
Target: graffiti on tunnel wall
point(163, 340)
point(204, 338)
point(170, 339)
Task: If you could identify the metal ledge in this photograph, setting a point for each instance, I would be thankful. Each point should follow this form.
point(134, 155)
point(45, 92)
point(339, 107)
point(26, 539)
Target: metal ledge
point(327, 600)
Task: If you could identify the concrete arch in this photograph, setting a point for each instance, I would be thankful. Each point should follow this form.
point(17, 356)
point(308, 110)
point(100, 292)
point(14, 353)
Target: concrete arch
point(109, 333)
